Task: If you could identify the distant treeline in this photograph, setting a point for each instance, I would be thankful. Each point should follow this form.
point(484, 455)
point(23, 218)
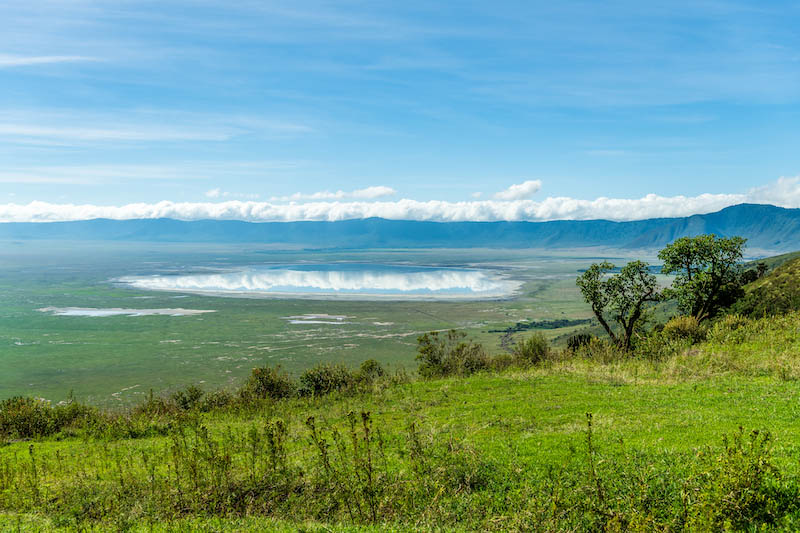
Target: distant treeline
point(542, 324)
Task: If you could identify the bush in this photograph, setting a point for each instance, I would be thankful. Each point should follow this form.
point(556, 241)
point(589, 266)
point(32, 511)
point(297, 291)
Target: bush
point(657, 346)
point(739, 486)
point(729, 329)
point(24, 417)
point(574, 342)
point(369, 371)
point(325, 378)
point(217, 400)
point(268, 382)
point(449, 355)
point(155, 406)
point(532, 350)
point(602, 350)
point(502, 361)
point(189, 398)
point(684, 327)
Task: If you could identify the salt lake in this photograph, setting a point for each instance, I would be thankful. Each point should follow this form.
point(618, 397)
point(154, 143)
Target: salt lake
point(338, 280)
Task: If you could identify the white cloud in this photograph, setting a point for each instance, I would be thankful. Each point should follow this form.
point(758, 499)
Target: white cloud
point(476, 195)
point(213, 193)
point(369, 193)
point(8, 60)
point(784, 192)
point(520, 191)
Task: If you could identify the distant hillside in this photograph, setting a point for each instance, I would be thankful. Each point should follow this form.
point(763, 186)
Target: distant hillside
point(776, 293)
point(766, 227)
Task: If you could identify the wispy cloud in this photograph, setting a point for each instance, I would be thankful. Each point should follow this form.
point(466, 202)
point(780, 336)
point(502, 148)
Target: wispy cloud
point(784, 192)
point(107, 174)
point(520, 191)
point(8, 60)
point(219, 193)
point(368, 193)
point(137, 126)
point(131, 133)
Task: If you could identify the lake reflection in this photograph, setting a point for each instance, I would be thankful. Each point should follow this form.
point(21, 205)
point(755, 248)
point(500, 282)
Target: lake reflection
point(338, 279)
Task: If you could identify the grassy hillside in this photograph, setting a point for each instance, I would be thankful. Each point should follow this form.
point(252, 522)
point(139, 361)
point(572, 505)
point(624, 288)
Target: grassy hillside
point(676, 437)
point(775, 261)
point(777, 292)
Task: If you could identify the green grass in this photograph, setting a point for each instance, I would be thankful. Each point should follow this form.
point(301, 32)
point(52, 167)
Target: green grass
point(775, 293)
point(505, 451)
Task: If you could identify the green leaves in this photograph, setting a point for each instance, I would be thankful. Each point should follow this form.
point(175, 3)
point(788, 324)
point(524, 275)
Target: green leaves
point(622, 296)
point(707, 276)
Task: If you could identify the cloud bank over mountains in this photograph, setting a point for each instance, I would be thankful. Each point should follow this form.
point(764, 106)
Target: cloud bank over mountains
point(785, 192)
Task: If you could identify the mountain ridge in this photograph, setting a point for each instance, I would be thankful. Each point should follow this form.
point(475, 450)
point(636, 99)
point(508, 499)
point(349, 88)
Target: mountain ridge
point(766, 227)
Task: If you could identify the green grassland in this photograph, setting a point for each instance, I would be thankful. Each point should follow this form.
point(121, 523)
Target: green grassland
point(697, 433)
point(775, 293)
point(116, 360)
point(509, 450)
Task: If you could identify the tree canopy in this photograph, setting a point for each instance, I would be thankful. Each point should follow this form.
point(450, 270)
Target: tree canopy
point(622, 297)
point(706, 269)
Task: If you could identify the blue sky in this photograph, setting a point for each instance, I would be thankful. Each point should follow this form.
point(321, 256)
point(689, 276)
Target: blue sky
point(413, 109)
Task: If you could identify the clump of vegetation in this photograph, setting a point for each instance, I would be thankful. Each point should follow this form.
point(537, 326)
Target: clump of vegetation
point(24, 418)
point(577, 341)
point(601, 350)
point(729, 329)
point(739, 486)
point(325, 378)
point(268, 383)
point(532, 350)
point(449, 354)
point(188, 398)
point(684, 327)
point(369, 372)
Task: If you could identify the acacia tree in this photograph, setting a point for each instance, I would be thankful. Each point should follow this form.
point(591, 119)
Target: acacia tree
point(706, 269)
point(622, 297)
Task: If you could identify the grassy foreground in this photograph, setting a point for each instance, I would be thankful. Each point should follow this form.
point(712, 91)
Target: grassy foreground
point(691, 437)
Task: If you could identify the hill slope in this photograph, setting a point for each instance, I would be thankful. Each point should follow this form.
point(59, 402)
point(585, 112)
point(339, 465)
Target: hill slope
point(508, 451)
point(766, 227)
point(777, 292)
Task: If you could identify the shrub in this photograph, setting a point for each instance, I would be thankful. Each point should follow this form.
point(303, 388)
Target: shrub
point(502, 361)
point(217, 400)
point(729, 329)
point(24, 417)
point(574, 342)
point(268, 382)
point(602, 350)
point(532, 350)
point(155, 406)
point(369, 371)
point(684, 327)
point(657, 346)
point(189, 398)
point(739, 486)
point(449, 355)
point(325, 378)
